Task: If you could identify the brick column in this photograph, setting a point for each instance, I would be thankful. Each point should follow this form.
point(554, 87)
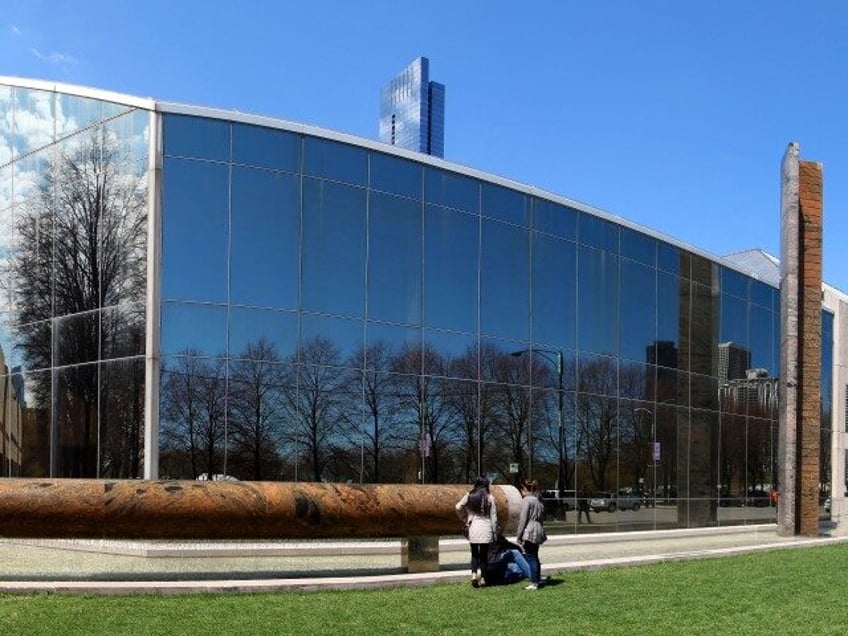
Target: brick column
point(800, 345)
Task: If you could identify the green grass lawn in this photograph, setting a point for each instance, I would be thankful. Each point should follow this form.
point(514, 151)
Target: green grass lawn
point(780, 592)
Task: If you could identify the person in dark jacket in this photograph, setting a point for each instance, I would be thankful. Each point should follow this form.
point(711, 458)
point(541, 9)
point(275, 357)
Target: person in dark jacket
point(583, 506)
point(531, 530)
point(506, 563)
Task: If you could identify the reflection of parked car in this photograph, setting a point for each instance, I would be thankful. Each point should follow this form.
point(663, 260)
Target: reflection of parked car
point(757, 498)
point(611, 502)
point(729, 499)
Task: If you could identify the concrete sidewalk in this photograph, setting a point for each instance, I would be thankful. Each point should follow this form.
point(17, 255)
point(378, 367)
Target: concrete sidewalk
point(158, 567)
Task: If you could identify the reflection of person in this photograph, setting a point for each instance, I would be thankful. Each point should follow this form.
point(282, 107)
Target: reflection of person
point(583, 507)
point(506, 563)
point(531, 531)
point(477, 510)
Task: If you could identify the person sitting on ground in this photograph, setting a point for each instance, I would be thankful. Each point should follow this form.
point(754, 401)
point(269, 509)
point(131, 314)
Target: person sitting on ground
point(506, 563)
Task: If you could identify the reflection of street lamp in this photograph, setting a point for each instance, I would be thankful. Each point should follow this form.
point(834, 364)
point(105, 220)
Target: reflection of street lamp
point(548, 355)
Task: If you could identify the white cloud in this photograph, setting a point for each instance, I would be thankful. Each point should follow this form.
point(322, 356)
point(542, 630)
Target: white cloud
point(54, 57)
point(15, 30)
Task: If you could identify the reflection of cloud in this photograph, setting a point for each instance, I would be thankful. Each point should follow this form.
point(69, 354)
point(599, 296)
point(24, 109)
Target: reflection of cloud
point(54, 57)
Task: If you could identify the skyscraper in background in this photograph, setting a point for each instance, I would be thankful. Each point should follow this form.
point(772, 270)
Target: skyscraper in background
point(412, 110)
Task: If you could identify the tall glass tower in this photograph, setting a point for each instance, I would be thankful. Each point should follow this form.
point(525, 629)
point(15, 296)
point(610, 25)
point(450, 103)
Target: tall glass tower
point(412, 110)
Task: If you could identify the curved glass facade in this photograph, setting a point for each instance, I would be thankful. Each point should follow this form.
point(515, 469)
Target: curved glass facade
point(331, 310)
point(73, 217)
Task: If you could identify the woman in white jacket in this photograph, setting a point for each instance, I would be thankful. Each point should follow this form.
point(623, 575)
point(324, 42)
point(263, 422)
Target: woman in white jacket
point(478, 511)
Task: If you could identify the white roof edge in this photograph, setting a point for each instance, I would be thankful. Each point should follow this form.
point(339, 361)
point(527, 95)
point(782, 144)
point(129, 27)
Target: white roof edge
point(79, 91)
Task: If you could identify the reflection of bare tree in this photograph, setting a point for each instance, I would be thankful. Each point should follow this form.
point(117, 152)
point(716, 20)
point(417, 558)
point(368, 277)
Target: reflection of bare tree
point(313, 396)
point(379, 433)
point(192, 412)
point(423, 393)
point(79, 246)
point(464, 401)
point(597, 420)
point(255, 418)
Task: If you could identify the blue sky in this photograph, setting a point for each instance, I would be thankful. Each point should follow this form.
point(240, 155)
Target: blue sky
point(674, 115)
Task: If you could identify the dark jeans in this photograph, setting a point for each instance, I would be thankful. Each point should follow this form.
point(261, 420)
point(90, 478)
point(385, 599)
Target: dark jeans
point(479, 556)
point(531, 553)
point(581, 512)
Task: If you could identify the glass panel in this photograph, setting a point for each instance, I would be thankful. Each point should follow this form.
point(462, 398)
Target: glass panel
point(665, 453)
point(34, 343)
point(77, 338)
point(763, 295)
point(121, 432)
point(637, 329)
point(598, 442)
point(274, 332)
point(597, 375)
point(638, 247)
point(34, 393)
point(5, 201)
point(698, 473)
point(192, 418)
point(385, 343)
point(74, 113)
point(7, 147)
point(668, 259)
point(77, 421)
point(458, 350)
point(505, 204)
point(552, 218)
point(197, 137)
point(194, 329)
point(734, 327)
point(394, 259)
point(702, 333)
point(333, 248)
point(668, 319)
point(596, 232)
point(734, 283)
point(195, 226)
point(763, 324)
point(597, 301)
point(505, 281)
point(339, 339)
point(451, 256)
point(256, 417)
point(704, 391)
point(31, 243)
point(395, 175)
point(761, 470)
point(265, 235)
point(266, 147)
point(554, 291)
point(451, 190)
point(122, 331)
point(637, 381)
point(34, 124)
point(335, 161)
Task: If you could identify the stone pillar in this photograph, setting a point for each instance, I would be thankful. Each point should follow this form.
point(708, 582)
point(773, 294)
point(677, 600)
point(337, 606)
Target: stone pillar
point(420, 554)
point(800, 345)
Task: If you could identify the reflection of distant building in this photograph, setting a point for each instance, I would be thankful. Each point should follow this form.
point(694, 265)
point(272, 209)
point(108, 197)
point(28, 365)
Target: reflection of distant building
point(663, 354)
point(11, 419)
point(733, 361)
point(756, 393)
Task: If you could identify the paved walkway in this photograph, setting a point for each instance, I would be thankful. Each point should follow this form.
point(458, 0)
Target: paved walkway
point(153, 567)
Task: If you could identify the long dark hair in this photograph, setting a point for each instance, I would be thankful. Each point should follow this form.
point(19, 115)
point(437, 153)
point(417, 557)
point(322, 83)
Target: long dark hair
point(478, 498)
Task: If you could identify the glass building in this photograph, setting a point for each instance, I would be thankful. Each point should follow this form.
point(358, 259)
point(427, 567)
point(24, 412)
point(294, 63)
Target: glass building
point(412, 110)
point(189, 293)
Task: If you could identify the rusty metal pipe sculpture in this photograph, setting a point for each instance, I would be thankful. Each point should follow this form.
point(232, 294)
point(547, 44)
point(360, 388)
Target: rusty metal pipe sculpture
point(131, 509)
